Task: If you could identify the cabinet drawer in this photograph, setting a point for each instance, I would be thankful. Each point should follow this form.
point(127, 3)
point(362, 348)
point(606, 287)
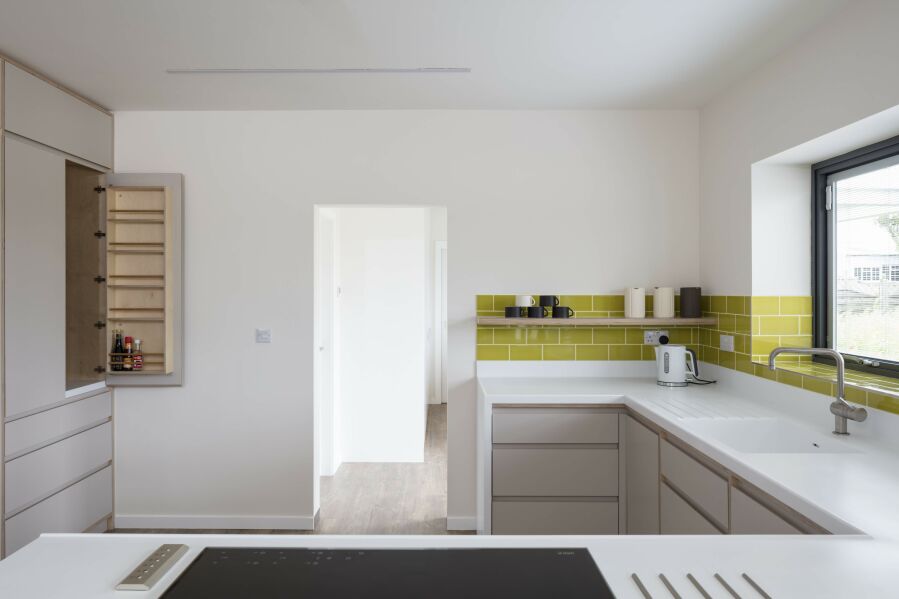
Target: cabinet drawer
point(679, 518)
point(36, 474)
point(554, 425)
point(749, 517)
point(46, 426)
point(73, 510)
point(555, 472)
point(40, 111)
point(704, 487)
point(555, 517)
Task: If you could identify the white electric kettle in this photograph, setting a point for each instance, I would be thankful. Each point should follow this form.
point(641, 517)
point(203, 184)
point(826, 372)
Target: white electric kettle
point(672, 366)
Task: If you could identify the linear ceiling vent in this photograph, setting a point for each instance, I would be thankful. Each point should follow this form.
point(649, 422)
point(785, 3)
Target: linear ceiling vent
point(311, 71)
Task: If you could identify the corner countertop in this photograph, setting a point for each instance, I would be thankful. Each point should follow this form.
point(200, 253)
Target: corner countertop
point(847, 493)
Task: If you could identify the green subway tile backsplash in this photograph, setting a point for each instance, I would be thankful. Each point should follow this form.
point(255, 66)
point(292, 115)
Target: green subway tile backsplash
point(758, 324)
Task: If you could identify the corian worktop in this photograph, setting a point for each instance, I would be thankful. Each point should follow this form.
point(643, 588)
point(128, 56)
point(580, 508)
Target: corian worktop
point(844, 492)
point(789, 567)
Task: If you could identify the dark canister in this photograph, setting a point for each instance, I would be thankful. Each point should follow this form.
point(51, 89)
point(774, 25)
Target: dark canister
point(690, 302)
point(549, 300)
point(514, 312)
point(537, 311)
point(562, 312)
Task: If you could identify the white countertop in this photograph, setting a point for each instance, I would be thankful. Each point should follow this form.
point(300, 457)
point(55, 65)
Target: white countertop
point(790, 567)
point(847, 493)
point(844, 492)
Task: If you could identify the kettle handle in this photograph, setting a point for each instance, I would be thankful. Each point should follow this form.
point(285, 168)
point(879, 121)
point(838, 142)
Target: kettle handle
point(693, 365)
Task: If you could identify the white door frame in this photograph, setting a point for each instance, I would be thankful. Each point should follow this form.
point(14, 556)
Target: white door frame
point(440, 322)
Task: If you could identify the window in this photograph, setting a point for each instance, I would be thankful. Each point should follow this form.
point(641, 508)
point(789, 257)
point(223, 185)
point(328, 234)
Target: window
point(856, 256)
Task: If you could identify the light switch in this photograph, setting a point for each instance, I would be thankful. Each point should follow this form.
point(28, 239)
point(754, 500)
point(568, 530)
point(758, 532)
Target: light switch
point(727, 343)
point(263, 335)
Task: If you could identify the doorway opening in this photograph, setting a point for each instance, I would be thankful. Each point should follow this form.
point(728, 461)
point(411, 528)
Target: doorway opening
point(380, 369)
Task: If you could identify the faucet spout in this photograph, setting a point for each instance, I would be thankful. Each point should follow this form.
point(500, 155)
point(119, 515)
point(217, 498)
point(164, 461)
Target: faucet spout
point(840, 408)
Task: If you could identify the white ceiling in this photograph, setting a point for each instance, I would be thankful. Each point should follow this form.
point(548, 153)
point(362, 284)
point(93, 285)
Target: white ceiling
point(523, 53)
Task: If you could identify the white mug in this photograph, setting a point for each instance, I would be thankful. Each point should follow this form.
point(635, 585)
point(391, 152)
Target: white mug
point(523, 301)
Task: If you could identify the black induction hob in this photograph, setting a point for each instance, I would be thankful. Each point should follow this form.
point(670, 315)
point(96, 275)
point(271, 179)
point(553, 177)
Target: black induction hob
point(281, 573)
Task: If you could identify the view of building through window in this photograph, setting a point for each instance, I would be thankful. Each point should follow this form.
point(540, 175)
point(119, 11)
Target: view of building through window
point(866, 263)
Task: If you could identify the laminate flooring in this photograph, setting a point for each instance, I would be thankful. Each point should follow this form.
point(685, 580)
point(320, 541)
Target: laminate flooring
point(377, 498)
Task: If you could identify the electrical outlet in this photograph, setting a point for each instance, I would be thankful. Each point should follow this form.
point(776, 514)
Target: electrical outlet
point(652, 337)
point(727, 343)
point(263, 335)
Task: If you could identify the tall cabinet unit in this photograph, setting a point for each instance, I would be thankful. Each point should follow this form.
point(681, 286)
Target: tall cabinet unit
point(86, 251)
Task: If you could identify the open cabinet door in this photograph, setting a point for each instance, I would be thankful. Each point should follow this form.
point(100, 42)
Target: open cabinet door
point(144, 280)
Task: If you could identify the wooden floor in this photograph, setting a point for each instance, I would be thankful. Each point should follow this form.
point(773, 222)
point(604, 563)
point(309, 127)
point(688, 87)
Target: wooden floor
point(375, 498)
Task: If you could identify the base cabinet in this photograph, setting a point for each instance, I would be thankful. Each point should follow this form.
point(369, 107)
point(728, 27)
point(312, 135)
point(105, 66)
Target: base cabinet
point(677, 517)
point(642, 466)
point(555, 517)
point(749, 517)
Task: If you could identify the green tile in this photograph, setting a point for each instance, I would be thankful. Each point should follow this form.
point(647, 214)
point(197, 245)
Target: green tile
point(633, 336)
point(625, 352)
point(762, 346)
point(801, 305)
point(744, 363)
point(647, 302)
point(705, 303)
point(649, 352)
point(484, 302)
point(485, 336)
point(511, 335)
point(710, 354)
point(493, 352)
point(790, 378)
point(887, 403)
point(608, 303)
point(736, 304)
point(680, 336)
point(502, 301)
point(796, 340)
point(576, 336)
point(592, 314)
point(728, 359)
point(727, 323)
point(764, 372)
point(577, 303)
point(765, 305)
point(805, 325)
point(779, 325)
point(718, 304)
point(543, 336)
point(558, 352)
point(526, 352)
point(592, 352)
point(817, 385)
point(609, 336)
point(742, 324)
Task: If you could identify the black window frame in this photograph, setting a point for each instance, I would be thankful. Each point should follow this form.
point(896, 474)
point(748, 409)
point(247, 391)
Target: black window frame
point(821, 284)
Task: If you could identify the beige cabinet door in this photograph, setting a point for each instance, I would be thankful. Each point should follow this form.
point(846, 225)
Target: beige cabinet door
point(642, 459)
point(680, 518)
point(35, 277)
point(749, 517)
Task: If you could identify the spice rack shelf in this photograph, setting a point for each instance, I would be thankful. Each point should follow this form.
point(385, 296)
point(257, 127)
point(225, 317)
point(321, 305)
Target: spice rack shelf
point(143, 279)
point(499, 321)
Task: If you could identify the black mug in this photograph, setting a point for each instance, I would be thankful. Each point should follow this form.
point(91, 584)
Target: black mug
point(562, 312)
point(549, 301)
point(537, 311)
point(514, 312)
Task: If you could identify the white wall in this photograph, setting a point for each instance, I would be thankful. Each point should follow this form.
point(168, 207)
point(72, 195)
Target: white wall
point(781, 229)
point(838, 74)
point(575, 202)
point(383, 345)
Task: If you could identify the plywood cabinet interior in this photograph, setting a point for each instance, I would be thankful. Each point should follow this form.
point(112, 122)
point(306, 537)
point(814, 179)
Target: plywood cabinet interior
point(144, 273)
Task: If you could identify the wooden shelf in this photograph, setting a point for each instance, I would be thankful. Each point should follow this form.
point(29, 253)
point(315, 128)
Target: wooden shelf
point(500, 321)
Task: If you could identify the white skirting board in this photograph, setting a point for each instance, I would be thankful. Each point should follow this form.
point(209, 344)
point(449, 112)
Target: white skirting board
point(216, 522)
point(461, 522)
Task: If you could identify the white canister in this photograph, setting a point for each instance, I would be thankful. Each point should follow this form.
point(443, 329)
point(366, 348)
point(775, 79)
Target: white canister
point(524, 301)
point(634, 302)
point(663, 302)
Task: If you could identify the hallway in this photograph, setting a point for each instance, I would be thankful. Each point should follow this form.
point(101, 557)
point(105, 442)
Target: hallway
point(390, 498)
